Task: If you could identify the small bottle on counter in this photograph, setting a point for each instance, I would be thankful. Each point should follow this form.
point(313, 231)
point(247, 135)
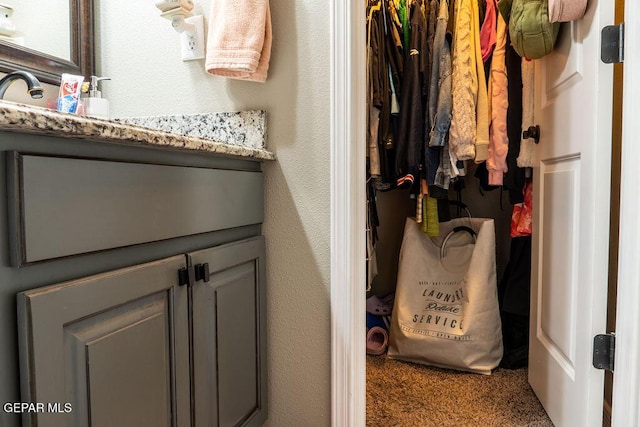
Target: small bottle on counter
point(94, 104)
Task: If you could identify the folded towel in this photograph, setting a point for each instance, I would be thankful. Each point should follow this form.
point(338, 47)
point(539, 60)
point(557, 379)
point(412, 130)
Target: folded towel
point(239, 39)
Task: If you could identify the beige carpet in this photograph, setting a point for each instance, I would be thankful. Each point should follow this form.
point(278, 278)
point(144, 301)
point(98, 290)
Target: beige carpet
point(406, 394)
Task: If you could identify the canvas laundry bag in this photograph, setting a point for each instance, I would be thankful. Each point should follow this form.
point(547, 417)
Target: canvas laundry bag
point(446, 310)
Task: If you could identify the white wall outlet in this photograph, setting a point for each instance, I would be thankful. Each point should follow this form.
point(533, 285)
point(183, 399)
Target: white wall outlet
point(193, 41)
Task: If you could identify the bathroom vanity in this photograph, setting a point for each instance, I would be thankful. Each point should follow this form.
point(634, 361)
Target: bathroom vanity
point(132, 276)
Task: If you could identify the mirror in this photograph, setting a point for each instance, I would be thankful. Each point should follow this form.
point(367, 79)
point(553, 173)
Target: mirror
point(47, 38)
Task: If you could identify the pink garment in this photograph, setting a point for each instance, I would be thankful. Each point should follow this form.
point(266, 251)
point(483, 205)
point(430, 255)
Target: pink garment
point(488, 30)
point(498, 89)
point(522, 217)
point(566, 10)
point(239, 39)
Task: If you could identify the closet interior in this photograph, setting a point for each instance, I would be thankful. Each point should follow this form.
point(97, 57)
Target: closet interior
point(451, 139)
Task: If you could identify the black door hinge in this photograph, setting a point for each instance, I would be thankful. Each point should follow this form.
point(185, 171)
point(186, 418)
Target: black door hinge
point(604, 351)
point(612, 44)
point(191, 274)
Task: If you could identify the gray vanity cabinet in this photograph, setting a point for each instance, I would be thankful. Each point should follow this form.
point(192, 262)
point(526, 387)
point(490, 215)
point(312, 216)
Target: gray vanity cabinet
point(229, 335)
point(177, 342)
point(113, 325)
point(113, 346)
point(145, 346)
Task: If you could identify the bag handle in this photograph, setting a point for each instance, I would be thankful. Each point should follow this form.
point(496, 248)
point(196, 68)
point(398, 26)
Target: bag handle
point(452, 232)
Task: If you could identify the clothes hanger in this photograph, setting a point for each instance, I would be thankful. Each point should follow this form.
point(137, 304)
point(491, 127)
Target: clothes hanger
point(393, 12)
point(377, 6)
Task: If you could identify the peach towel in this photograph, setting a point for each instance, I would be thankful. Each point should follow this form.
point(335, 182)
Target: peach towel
point(566, 10)
point(239, 39)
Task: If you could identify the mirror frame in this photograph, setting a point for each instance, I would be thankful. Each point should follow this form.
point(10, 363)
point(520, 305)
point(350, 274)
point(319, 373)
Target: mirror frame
point(48, 68)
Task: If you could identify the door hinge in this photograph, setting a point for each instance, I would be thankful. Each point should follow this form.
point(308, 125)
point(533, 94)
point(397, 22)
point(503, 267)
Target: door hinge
point(604, 351)
point(612, 44)
point(191, 274)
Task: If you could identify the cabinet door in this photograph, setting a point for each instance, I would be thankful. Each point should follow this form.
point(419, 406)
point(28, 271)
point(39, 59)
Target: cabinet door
point(114, 346)
point(229, 336)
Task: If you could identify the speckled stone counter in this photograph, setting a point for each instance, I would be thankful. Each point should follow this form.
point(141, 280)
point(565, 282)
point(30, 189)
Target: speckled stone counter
point(33, 120)
point(246, 128)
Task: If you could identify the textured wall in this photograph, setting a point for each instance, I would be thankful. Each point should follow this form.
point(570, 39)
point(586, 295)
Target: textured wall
point(140, 52)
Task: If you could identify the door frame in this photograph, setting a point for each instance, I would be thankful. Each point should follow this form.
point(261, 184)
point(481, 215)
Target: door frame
point(348, 225)
point(348, 148)
point(626, 383)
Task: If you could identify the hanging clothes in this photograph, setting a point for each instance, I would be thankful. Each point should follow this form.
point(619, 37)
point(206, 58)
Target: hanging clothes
point(515, 288)
point(376, 77)
point(469, 135)
point(403, 14)
point(464, 84)
point(381, 123)
point(526, 157)
point(498, 87)
point(514, 178)
point(483, 117)
point(488, 31)
point(432, 105)
point(375, 67)
point(427, 60)
point(440, 98)
point(482, 8)
point(514, 297)
point(371, 235)
point(395, 49)
point(377, 84)
point(439, 109)
point(431, 155)
point(409, 144)
point(522, 216)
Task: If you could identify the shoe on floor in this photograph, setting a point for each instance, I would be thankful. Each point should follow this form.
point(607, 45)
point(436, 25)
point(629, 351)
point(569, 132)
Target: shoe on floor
point(383, 321)
point(380, 306)
point(377, 341)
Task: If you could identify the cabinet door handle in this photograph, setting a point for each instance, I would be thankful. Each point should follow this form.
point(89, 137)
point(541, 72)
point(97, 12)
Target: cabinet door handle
point(186, 275)
point(202, 272)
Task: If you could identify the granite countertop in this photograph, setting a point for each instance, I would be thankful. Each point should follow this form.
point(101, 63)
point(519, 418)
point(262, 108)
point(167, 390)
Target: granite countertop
point(35, 120)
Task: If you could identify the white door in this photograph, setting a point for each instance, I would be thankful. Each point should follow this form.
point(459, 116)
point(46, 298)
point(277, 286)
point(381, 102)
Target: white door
point(571, 221)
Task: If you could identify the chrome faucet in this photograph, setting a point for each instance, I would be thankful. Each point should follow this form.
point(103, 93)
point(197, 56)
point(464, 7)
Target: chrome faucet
point(33, 85)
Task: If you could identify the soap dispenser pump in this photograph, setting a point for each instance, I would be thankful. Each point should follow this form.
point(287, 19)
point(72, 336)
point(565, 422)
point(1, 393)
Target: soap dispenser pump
point(95, 105)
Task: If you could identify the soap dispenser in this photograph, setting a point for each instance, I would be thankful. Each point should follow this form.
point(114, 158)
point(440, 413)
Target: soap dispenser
point(95, 105)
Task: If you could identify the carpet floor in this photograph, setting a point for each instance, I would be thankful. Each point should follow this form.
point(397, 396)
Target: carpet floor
point(407, 394)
